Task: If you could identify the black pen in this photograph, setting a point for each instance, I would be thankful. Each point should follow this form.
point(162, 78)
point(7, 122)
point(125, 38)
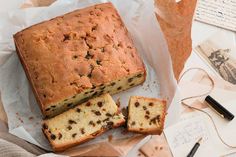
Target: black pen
point(219, 108)
point(194, 149)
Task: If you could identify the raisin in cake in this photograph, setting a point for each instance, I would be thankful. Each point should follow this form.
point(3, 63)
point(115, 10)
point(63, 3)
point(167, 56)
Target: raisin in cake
point(78, 55)
point(82, 123)
point(146, 115)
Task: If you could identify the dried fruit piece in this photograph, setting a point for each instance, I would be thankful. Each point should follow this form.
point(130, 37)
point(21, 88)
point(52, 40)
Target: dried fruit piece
point(69, 105)
point(45, 126)
point(108, 115)
point(69, 127)
point(82, 131)
point(144, 107)
point(88, 104)
point(73, 135)
point(100, 104)
point(131, 84)
point(151, 104)
point(59, 136)
point(92, 123)
point(130, 80)
point(98, 113)
point(136, 104)
point(72, 121)
point(53, 137)
point(147, 117)
point(113, 84)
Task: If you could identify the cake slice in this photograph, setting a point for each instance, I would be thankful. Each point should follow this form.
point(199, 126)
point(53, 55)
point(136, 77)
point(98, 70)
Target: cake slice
point(82, 123)
point(146, 115)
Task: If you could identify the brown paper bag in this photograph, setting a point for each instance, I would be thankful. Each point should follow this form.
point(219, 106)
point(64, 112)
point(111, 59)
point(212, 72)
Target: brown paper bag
point(175, 21)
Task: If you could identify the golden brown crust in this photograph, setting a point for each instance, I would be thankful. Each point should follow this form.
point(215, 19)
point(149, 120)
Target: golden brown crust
point(28, 76)
point(73, 52)
point(150, 99)
point(147, 131)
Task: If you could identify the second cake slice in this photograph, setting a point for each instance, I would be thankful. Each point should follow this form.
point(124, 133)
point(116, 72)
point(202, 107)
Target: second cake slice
point(146, 115)
point(82, 123)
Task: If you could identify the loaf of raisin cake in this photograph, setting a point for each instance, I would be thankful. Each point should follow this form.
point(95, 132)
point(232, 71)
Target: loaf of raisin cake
point(146, 115)
point(82, 123)
point(78, 55)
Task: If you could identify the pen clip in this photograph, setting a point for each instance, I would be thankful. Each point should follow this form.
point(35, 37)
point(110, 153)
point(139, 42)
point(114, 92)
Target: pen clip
point(221, 115)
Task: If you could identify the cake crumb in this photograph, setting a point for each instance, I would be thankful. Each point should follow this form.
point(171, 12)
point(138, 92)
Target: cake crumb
point(110, 138)
point(31, 118)
point(124, 132)
point(20, 120)
point(124, 111)
point(118, 102)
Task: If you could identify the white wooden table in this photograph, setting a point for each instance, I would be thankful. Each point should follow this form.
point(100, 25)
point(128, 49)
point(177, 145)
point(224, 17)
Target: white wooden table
point(200, 32)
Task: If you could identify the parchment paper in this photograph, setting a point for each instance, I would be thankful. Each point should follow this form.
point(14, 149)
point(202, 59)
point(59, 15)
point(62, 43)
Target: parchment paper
point(24, 116)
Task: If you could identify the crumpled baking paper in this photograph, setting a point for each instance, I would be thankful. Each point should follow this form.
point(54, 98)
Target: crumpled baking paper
point(24, 116)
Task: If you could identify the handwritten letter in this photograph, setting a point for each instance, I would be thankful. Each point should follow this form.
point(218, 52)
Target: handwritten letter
point(220, 13)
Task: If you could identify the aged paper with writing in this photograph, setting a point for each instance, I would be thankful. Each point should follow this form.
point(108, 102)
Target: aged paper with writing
point(221, 13)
